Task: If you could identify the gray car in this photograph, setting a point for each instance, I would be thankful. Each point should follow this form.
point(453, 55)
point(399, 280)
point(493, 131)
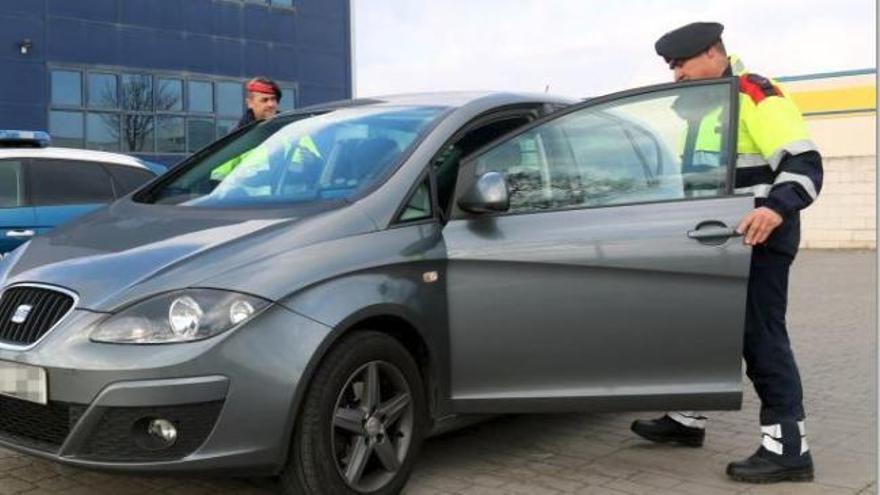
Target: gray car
point(311, 296)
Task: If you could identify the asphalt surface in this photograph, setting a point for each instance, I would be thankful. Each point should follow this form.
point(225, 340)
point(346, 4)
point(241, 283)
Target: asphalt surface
point(833, 327)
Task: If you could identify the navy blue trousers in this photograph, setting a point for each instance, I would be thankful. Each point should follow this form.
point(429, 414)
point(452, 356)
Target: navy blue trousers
point(770, 363)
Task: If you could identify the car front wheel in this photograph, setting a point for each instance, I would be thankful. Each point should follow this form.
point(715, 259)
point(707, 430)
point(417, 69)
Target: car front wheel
point(362, 421)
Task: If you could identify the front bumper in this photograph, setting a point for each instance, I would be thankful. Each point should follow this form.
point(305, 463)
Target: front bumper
point(233, 397)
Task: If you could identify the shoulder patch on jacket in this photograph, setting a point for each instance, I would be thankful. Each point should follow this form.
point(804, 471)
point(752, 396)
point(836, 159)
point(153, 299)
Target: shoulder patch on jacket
point(757, 87)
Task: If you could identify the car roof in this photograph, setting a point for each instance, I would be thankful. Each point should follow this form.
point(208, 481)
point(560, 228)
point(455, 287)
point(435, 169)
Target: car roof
point(454, 99)
point(73, 154)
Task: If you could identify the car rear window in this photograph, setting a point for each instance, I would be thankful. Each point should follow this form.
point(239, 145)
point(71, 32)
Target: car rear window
point(60, 182)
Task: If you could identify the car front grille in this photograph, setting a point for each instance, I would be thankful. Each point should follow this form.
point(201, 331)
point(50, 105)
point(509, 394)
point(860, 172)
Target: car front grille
point(37, 426)
point(47, 307)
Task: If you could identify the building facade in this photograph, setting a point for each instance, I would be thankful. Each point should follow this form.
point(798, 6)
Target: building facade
point(163, 78)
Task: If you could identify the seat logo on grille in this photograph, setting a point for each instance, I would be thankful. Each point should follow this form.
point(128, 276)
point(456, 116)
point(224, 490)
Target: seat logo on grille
point(21, 313)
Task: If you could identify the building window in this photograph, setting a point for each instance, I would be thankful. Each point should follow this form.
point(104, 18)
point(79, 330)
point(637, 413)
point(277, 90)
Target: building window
point(201, 133)
point(138, 133)
point(229, 99)
point(137, 92)
point(139, 112)
point(169, 94)
point(288, 98)
point(67, 88)
point(201, 97)
point(102, 130)
point(102, 91)
point(170, 135)
point(66, 129)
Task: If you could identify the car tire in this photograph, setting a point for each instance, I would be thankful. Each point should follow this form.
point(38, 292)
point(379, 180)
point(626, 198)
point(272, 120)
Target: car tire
point(354, 438)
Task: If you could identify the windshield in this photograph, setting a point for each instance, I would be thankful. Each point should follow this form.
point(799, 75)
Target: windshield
point(300, 159)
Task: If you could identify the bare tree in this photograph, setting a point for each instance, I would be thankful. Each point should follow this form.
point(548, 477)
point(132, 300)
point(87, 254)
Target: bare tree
point(137, 119)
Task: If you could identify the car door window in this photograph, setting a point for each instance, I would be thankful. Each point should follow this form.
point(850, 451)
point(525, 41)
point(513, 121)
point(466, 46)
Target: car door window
point(128, 178)
point(60, 182)
point(419, 205)
point(446, 163)
point(660, 146)
point(11, 183)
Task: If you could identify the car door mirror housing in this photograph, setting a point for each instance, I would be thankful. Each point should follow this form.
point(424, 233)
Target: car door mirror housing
point(488, 194)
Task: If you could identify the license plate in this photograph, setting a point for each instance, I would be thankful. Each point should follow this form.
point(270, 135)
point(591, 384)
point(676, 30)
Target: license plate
point(24, 382)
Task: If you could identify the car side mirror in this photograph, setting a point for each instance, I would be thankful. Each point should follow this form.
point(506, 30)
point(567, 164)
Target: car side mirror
point(488, 194)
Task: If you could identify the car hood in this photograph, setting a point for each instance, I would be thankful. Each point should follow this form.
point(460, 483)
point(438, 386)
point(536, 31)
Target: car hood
point(129, 251)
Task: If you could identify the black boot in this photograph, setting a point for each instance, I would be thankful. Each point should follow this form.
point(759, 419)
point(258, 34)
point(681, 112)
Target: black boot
point(766, 467)
point(668, 430)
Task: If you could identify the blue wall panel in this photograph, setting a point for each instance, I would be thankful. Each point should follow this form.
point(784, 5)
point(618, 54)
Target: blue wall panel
point(15, 29)
point(67, 41)
point(93, 10)
point(196, 15)
point(229, 57)
point(103, 44)
point(29, 8)
point(227, 19)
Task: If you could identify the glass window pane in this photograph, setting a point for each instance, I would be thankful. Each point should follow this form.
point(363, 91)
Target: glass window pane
point(170, 137)
point(201, 133)
point(102, 131)
point(169, 95)
point(67, 88)
point(128, 178)
point(283, 3)
point(102, 91)
point(292, 159)
point(229, 99)
point(11, 184)
point(660, 146)
point(419, 205)
point(66, 129)
point(137, 133)
point(225, 126)
point(137, 92)
point(201, 96)
point(58, 182)
point(288, 99)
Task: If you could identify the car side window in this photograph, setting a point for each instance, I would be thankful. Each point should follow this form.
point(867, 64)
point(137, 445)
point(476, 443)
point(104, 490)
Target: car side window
point(61, 182)
point(419, 205)
point(660, 146)
point(11, 183)
point(128, 178)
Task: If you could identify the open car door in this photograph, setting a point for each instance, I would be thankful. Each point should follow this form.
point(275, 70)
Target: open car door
point(615, 279)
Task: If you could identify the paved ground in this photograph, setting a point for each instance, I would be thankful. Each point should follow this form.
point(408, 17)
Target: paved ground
point(832, 319)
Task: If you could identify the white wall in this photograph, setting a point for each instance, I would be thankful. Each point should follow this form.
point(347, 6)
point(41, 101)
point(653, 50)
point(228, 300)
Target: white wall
point(845, 215)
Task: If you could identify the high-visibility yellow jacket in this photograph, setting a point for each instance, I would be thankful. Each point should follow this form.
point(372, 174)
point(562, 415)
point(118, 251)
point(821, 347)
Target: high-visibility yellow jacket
point(776, 159)
point(260, 154)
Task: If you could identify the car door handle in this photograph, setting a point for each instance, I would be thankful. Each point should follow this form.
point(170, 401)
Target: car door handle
point(17, 234)
point(713, 233)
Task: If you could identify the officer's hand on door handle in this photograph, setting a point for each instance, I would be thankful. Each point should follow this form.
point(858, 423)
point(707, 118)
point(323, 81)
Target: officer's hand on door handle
point(758, 225)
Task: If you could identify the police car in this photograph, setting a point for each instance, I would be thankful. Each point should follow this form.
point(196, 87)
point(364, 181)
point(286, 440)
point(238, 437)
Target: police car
point(43, 186)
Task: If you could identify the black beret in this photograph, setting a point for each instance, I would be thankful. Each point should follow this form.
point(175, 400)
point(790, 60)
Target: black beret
point(689, 40)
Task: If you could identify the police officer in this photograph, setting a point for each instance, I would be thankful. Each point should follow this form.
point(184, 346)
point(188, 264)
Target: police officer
point(779, 164)
point(262, 97)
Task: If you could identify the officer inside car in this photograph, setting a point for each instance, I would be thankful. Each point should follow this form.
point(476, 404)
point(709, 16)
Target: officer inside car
point(779, 164)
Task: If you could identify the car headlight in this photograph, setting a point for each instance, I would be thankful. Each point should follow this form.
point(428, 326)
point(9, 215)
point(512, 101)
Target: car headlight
point(180, 316)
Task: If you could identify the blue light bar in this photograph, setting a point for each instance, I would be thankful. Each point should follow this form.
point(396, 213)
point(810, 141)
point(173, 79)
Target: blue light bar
point(25, 138)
